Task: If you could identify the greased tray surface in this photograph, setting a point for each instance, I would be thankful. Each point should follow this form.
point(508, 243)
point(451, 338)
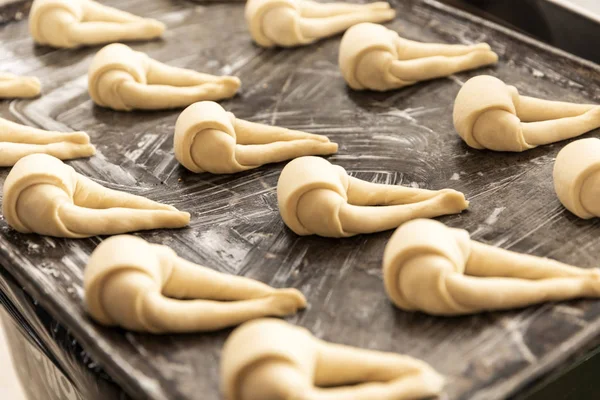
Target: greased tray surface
point(399, 137)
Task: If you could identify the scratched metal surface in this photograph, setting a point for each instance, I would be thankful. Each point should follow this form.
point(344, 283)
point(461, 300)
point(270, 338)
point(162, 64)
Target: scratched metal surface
point(402, 137)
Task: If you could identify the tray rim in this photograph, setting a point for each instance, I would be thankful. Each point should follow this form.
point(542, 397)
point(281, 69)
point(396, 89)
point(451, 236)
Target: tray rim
point(577, 9)
point(509, 32)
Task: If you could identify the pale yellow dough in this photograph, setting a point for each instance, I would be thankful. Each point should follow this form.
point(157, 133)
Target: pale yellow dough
point(18, 141)
point(316, 197)
point(123, 79)
point(577, 177)
point(438, 270)
point(489, 114)
point(15, 87)
point(73, 23)
point(271, 359)
point(210, 139)
point(43, 195)
point(376, 58)
point(146, 287)
point(289, 23)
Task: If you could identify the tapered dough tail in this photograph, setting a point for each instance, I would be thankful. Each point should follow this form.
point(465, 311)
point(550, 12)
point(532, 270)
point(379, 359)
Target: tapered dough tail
point(363, 193)
point(415, 386)
point(10, 153)
point(98, 12)
point(164, 74)
point(256, 155)
point(157, 97)
point(427, 68)
point(551, 131)
point(312, 9)
point(376, 366)
point(162, 314)
point(85, 222)
point(93, 195)
point(12, 86)
point(255, 133)
point(17, 133)
point(369, 219)
point(491, 261)
point(531, 109)
point(94, 33)
point(409, 49)
point(190, 281)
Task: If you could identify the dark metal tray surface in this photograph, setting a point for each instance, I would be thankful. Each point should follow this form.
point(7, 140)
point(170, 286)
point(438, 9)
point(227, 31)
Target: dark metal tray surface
point(400, 137)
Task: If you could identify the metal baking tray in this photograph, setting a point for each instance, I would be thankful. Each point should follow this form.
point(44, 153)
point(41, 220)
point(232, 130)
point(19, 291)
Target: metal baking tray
point(568, 24)
point(399, 137)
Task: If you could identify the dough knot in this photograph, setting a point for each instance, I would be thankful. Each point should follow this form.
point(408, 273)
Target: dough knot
point(577, 177)
point(316, 197)
point(205, 139)
point(46, 196)
point(72, 23)
point(374, 57)
point(271, 359)
point(123, 79)
point(289, 23)
point(415, 240)
point(210, 139)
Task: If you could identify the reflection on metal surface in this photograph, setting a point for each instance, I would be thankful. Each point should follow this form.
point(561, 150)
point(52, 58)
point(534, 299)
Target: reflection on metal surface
point(574, 27)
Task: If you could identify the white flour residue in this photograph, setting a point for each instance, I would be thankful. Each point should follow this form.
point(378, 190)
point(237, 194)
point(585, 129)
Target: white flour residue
point(414, 185)
point(409, 114)
point(537, 73)
point(493, 218)
point(142, 145)
point(227, 69)
point(456, 80)
point(49, 241)
point(455, 177)
point(32, 247)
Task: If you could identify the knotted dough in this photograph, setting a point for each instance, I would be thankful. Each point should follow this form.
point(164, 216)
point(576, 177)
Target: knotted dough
point(210, 139)
point(146, 287)
point(73, 23)
point(43, 195)
point(376, 58)
point(18, 141)
point(438, 270)
point(271, 359)
point(123, 79)
point(577, 177)
point(316, 197)
point(289, 23)
point(489, 114)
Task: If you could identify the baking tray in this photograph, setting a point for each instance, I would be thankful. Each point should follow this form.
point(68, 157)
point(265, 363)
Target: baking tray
point(568, 24)
point(400, 137)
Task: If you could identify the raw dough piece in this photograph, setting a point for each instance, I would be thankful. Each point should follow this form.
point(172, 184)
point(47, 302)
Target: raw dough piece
point(73, 23)
point(376, 58)
point(491, 115)
point(271, 359)
point(46, 196)
point(439, 270)
point(210, 139)
point(290, 23)
point(140, 286)
point(577, 177)
point(18, 141)
point(316, 197)
point(123, 79)
point(14, 86)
